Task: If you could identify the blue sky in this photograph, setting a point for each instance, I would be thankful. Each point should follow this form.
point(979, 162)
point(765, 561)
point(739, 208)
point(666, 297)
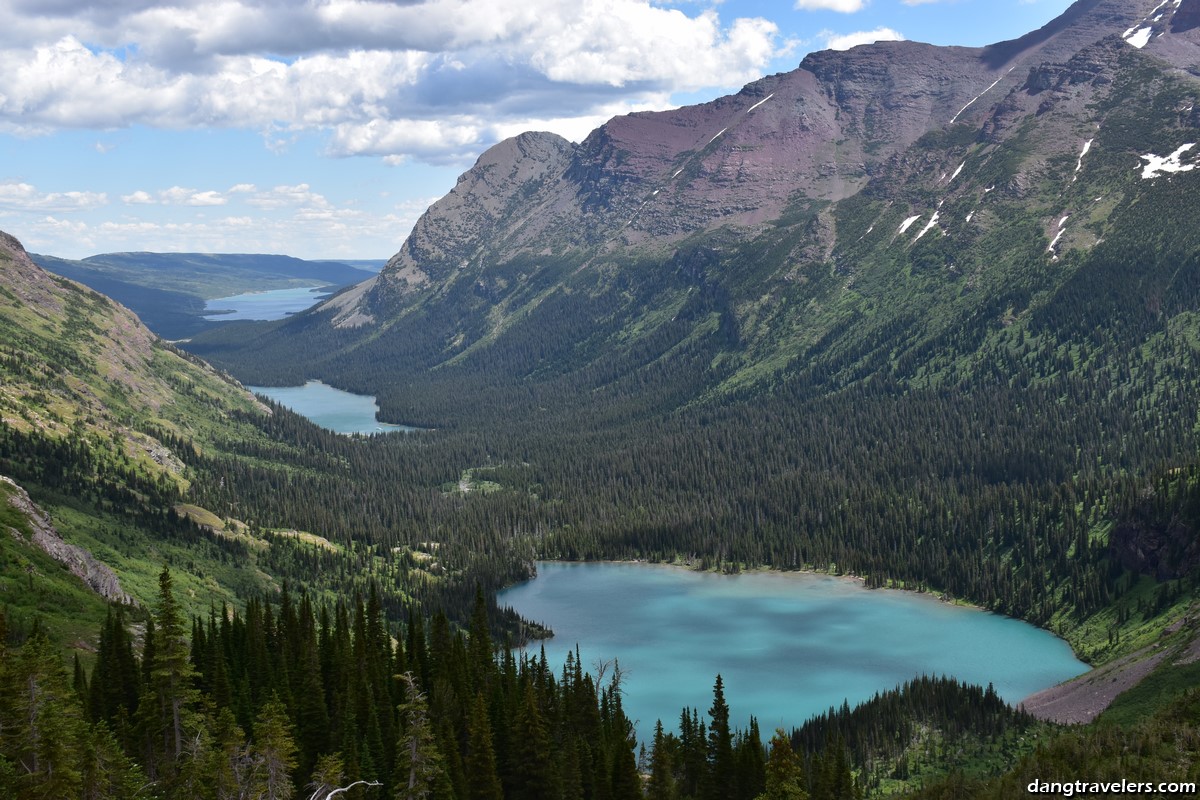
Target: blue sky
point(323, 128)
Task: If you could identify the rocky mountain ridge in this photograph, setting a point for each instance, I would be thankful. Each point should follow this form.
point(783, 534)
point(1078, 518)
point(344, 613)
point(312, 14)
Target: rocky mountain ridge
point(646, 181)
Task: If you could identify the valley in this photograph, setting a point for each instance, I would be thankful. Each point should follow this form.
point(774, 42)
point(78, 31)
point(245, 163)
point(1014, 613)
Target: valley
point(927, 317)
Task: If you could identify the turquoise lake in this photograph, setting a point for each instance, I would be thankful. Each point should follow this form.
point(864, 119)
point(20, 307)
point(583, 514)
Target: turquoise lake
point(787, 645)
point(339, 411)
point(268, 305)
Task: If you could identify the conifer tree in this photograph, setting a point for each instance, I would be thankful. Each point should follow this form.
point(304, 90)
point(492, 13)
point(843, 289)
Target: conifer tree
point(273, 753)
point(661, 785)
point(42, 721)
point(785, 771)
point(722, 776)
point(172, 676)
point(420, 772)
point(530, 771)
point(483, 781)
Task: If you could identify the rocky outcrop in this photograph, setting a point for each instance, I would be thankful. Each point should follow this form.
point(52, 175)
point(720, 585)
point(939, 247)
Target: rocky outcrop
point(1165, 550)
point(643, 182)
point(98, 576)
point(488, 206)
point(1187, 17)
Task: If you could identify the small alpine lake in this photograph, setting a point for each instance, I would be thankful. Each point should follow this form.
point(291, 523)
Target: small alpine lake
point(334, 409)
point(787, 645)
point(266, 305)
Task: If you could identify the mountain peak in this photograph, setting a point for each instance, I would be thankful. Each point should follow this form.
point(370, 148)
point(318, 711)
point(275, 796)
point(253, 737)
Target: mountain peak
point(646, 181)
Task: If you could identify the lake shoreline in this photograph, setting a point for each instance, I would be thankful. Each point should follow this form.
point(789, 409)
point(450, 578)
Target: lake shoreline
point(1069, 703)
point(763, 628)
point(337, 410)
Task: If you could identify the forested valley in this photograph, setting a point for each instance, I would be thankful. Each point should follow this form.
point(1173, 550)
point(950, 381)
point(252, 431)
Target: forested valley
point(1004, 412)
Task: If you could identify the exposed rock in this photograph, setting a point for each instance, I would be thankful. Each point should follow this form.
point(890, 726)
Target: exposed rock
point(1165, 551)
point(642, 182)
point(1081, 700)
point(98, 576)
point(1187, 16)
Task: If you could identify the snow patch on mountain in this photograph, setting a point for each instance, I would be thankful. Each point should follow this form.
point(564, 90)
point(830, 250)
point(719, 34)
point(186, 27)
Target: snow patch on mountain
point(932, 222)
point(908, 223)
point(1159, 164)
point(1079, 164)
point(760, 102)
point(981, 94)
point(1140, 38)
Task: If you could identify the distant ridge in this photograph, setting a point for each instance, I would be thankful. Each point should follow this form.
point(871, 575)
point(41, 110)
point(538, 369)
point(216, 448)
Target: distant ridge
point(168, 290)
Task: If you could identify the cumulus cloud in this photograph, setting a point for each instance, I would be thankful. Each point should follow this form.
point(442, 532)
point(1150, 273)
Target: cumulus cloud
point(431, 80)
point(282, 196)
point(176, 196)
point(846, 41)
point(18, 196)
point(179, 196)
point(844, 6)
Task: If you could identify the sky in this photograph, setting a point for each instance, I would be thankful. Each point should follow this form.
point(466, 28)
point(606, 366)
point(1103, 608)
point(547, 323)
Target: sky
point(324, 128)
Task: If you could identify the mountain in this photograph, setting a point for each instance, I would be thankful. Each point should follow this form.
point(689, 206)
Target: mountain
point(923, 314)
point(647, 182)
point(738, 212)
point(93, 408)
point(168, 290)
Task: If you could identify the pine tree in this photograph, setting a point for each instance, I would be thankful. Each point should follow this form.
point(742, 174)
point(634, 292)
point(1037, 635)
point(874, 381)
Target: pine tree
point(172, 677)
point(530, 771)
point(273, 753)
point(420, 773)
point(483, 781)
point(784, 771)
point(722, 771)
point(661, 785)
point(42, 721)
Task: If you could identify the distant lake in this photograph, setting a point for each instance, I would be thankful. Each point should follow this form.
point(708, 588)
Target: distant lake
point(787, 645)
point(339, 411)
point(268, 305)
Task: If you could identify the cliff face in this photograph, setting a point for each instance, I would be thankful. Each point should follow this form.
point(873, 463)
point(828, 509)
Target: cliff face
point(863, 213)
point(646, 181)
point(98, 576)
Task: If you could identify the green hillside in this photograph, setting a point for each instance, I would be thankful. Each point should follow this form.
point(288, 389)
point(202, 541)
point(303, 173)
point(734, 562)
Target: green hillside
point(141, 455)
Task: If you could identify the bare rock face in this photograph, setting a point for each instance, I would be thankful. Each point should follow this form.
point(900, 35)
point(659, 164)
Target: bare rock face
point(34, 287)
point(1187, 16)
point(479, 210)
point(643, 182)
point(98, 576)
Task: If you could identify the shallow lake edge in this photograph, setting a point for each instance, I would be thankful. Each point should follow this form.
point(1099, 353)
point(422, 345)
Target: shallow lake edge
point(1093, 669)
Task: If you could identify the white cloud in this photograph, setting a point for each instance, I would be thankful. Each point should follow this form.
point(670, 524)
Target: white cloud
point(209, 198)
point(844, 6)
point(320, 232)
point(179, 196)
point(19, 196)
point(846, 41)
point(431, 80)
point(285, 196)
